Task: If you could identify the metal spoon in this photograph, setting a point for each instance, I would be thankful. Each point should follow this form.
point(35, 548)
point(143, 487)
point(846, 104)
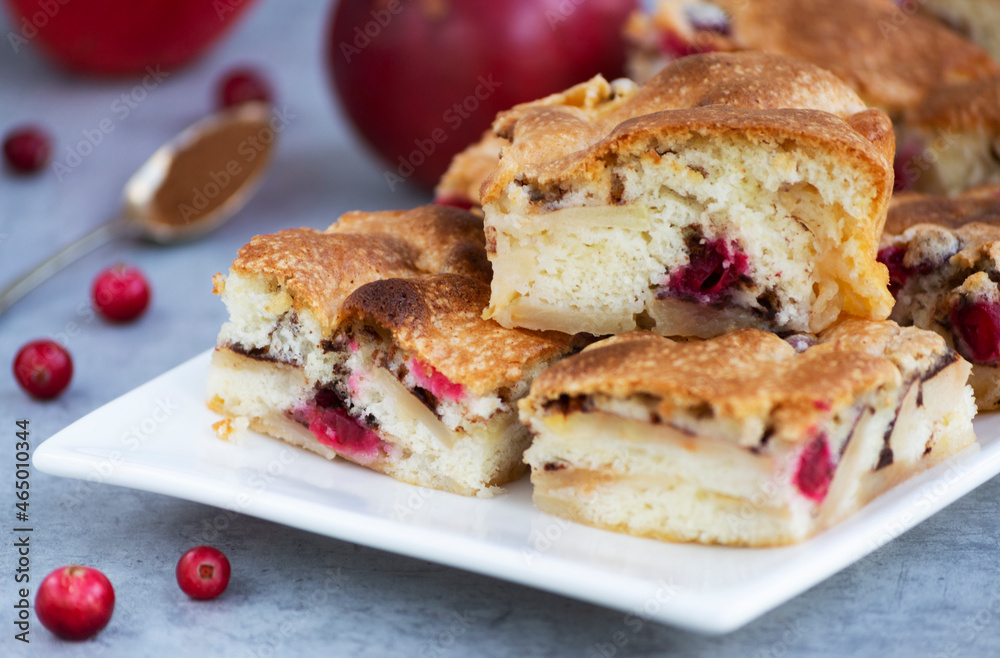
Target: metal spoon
point(191, 185)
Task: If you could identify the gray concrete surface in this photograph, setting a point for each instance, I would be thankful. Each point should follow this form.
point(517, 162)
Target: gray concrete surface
point(933, 592)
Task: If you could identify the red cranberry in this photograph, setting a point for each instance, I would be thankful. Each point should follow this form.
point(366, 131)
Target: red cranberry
point(455, 201)
point(713, 269)
point(899, 274)
point(27, 149)
point(336, 428)
point(242, 85)
point(43, 368)
point(203, 572)
point(75, 602)
point(815, 470)
point(120, 293)
point(676, 46)
point(976, 327)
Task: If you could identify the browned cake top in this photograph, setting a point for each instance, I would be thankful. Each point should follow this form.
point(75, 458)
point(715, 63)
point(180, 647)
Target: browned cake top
point(962, 107)
point(960, 229)
point(745, 374)
point(439, 318)
point(319, 269)
point(445, 239)
point(720, 94)
point(980, 205)
point(891, 58)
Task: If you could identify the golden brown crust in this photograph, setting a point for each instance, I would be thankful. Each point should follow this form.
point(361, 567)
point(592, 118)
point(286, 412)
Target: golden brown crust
point(439, 318)
point(889, 57)
point(967, 107)
point(319, 269)
point(979, 205)
point(745, 374)
point(756, 94)
point(446, 239)
point(972, 218)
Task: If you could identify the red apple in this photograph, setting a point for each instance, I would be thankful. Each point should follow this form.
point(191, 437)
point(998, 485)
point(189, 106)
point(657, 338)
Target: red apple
point(121, 36)
point(422, 79)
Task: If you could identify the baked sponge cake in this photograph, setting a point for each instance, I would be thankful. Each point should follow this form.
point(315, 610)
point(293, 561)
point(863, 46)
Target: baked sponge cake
point(461, 183)
point(745, 439)
point(733, 190)
point(366, 341)
point(951, 141)
point(890, 55)
point(977, 19)
point(943, 256)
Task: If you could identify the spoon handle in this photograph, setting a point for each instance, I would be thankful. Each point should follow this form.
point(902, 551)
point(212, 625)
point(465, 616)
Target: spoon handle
point(82, 246)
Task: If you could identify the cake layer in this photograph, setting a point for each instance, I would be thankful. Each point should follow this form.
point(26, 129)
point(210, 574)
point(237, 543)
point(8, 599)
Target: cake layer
point(734, 190)
point(367, 341)
point(409, 443)
point(943, 255)
point(979, 20)
point(951, 141)
point(889, 54)
point(744, 439)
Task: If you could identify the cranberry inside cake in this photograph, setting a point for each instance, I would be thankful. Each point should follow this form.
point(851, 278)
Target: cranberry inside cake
point(744, 439)
point(689, 209)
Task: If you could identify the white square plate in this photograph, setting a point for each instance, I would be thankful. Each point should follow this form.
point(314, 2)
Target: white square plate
point(159, 438)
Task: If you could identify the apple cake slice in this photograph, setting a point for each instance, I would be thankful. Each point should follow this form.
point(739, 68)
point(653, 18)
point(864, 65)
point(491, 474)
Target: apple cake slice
point(366, 341)
point(943, 256)
point(745, 439)
point(977, 19)
point(951, 141)
point(733, 190)
point(888, 54)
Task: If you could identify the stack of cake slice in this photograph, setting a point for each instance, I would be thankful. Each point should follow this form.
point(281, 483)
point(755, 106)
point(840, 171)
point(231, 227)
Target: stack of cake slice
point(732, 196)
point(724, 219)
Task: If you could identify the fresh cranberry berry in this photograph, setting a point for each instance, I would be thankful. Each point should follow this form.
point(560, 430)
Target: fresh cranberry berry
point(203, 572)
point(75, 602)
point(976, 327)
point(243, 85)
point(43, 368)
point(120, 293)
point(27, 149)
point(815, 470)
point(714, 267)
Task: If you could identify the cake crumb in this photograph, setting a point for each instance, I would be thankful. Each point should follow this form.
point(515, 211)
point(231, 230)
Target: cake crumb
point(231, 429)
